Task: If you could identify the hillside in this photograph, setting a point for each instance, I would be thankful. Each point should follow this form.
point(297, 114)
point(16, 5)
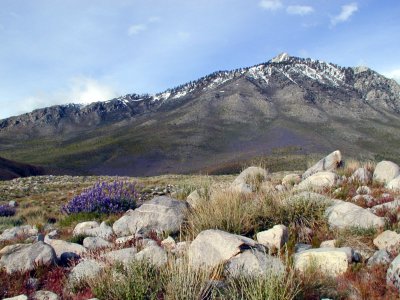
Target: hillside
point(283, 109)
point(11, 169)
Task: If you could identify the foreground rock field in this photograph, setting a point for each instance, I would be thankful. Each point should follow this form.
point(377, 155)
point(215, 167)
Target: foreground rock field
point(329, 232)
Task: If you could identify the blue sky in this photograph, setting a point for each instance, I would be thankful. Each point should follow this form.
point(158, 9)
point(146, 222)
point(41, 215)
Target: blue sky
point(57, 51)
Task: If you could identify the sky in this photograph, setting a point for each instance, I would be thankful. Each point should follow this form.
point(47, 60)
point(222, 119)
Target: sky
point(81, 51)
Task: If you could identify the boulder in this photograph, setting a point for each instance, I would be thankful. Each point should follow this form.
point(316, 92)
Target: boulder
point(168, 243)
point(249, 179)
point(45, 295)
point(65, 251)
point(93, 243)
point(291, 179)
point(124, 256)
point(252, 263)
point(24, 231)
point(367, 199)
point(86, 269)
point(394, 184)
point(345, 214)
point(388, 240)
point(26, 257)
point(92, 228)
point(120, 227)
point(212, 247)
point(318, 181)
point(275, 237)
point(330, 261)
point(194, 199)
point(154, 254)
point(161, 214)
point(393, 273)
point(328, 163)
point(385, 171)
point(361, 175)
point(379, 257)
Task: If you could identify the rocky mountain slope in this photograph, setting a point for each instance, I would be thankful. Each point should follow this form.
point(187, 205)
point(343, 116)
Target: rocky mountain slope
point(287, 106)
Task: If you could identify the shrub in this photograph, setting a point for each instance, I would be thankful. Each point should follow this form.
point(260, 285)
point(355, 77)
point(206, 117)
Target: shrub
point(269, 287)
point(140, 280)
point(104, 197)
point(6, 210)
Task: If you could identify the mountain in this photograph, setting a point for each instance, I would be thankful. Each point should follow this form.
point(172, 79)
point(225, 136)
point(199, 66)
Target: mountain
point(282, 109)
point(11, 169)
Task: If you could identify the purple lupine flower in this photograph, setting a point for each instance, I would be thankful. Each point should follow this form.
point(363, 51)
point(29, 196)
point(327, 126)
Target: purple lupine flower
point(104, 197)
point(6, 210)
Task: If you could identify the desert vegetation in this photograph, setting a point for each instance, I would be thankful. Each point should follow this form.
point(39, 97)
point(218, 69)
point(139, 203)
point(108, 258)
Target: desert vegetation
point(258, 235)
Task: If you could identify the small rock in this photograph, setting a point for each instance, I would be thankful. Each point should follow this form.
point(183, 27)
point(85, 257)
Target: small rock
point(379, 257)
point(367, 198)
point(45, 295)
point(280, 188)
point(12, 203)
point(93, 243)
point(20, 297)
point(168, 243)
point(194, 199)
point(125, 239)
point(275, 237)
point(388, 240)
point(361, 175)
point(86, 269)
point(124, 256)
point(291, 179)
point(363, 190)
point(328, 244)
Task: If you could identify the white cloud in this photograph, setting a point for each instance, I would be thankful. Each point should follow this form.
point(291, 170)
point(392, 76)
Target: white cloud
point(81, 90)
point(347, 11)
point(393, 74)
point(271, 4)
point(136, 29)
point(299, 10)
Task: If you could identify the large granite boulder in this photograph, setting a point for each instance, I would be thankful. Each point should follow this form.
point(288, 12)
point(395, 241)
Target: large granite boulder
point(26, 257)
point(161, 214)
point(275, 237)
point(388, 240)
point(65, 251)
point(345, 215)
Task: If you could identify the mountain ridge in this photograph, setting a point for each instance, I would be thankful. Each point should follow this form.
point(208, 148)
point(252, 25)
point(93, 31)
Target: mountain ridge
point(226, 116)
